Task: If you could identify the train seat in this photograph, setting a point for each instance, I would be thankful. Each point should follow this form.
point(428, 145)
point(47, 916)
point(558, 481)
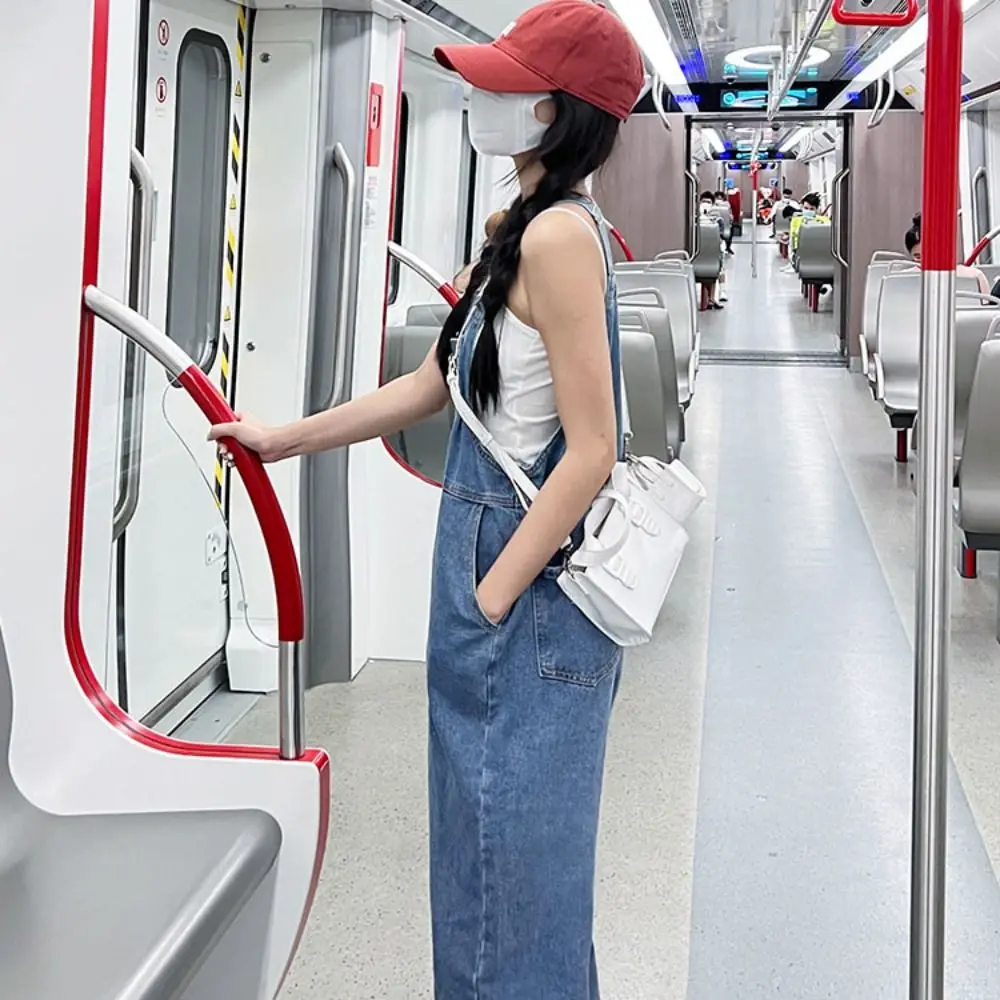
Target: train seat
point(815, 255)
point(424, 445)
point(882, 261)
point(665, 412)
point(977, 506)
point(897, 361)
point(674, 280)
point(707, 260)
point(647, 413)
point(973, 325)
point(124, 906)
point(992, 272)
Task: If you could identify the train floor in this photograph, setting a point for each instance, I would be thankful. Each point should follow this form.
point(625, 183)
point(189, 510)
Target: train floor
point(756, 821)
point(767, 314)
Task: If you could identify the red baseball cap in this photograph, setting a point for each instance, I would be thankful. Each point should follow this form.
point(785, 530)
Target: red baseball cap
point(571, 45)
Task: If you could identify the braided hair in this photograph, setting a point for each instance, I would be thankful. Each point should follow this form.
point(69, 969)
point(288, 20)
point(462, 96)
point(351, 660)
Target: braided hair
point(579, 140)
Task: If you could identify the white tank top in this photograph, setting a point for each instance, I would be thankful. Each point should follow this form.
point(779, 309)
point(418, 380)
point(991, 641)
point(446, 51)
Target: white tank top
point(525, 419)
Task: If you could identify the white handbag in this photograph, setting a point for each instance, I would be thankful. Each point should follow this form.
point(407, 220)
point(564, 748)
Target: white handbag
point(633, 537)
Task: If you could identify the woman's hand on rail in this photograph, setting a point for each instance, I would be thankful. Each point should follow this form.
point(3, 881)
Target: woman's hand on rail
point(394, 407)
point(250, 433)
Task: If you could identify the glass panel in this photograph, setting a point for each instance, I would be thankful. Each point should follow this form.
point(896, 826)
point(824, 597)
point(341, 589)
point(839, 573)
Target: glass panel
point(198, 213)
point(467, 196)
point(397, 222)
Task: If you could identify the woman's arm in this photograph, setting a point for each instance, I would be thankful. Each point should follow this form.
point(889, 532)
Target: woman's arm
point(562, 275)
point(389, 409)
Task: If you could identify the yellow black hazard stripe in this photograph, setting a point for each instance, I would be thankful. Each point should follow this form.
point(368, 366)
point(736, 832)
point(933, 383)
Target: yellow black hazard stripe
point(234, 195)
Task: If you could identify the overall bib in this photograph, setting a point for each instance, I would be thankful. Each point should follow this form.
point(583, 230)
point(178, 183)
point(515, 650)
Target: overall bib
point(519, 717)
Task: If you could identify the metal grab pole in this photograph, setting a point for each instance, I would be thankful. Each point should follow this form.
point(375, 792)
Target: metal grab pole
point(805, 45)
point(935, 428)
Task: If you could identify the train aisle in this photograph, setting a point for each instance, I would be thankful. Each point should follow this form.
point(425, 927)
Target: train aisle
point(756, 821)
point(767, 314)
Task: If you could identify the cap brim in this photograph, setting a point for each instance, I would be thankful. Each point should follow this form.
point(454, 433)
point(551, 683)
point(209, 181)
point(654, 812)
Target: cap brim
point(489, 68)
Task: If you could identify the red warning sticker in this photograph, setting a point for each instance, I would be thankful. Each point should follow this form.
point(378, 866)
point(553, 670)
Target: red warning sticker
point(163, 32)
point(161, 90)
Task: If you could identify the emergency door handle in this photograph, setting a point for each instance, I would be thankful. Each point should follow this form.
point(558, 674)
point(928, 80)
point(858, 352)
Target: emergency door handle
point(135, 359)
point(348, 243)
point(876, 19)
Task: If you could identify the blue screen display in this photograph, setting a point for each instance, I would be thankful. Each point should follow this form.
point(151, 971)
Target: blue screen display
point(800, 97)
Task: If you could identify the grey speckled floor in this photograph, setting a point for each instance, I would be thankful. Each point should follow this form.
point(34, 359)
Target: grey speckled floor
point(755, 830)
point(767, 313)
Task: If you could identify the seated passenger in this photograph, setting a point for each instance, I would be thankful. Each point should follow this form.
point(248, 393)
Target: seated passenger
point(810, 213)
point(912, 242)
point(461, 282)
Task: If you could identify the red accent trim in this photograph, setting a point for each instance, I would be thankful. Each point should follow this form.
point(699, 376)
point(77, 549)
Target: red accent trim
point(942, 113)
point(626, 249)
point(977, 250)
point(902, 446)
point(82, 669)
point(448, 293)
point(273, 526)
point(867, 19)
point(373, 157)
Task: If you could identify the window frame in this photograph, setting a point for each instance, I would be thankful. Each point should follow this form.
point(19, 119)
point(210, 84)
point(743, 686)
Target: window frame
point(399, 187)
point(209, 349)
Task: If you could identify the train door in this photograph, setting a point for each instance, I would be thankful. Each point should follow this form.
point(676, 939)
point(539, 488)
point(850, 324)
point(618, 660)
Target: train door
point(172, 580)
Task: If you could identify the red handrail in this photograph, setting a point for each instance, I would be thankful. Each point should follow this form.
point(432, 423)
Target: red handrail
point(626, 249)
point(273, 526)
point(982, 245)
point(875, 19)
point(444, 288)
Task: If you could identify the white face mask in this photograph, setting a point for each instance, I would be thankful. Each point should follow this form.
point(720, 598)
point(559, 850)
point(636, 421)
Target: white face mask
point(504, 124)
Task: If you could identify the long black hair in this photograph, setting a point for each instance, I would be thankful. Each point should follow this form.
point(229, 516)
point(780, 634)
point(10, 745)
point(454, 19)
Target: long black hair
point(579, 140)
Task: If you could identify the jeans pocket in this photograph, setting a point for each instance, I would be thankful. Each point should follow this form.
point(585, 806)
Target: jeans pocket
point(570, 647)
point(490, 533)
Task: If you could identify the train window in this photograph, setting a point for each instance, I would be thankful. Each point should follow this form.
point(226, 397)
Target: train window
point(467, 195)
point(400, 189)
point(198, 212)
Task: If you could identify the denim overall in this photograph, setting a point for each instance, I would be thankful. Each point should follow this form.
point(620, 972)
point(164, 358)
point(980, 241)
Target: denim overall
point(519, 717)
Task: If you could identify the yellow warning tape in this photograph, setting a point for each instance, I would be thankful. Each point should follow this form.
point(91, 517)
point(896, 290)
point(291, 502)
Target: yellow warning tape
point(232, 229)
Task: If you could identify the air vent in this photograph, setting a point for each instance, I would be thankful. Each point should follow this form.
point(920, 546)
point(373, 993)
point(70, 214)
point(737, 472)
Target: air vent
point(448, 19)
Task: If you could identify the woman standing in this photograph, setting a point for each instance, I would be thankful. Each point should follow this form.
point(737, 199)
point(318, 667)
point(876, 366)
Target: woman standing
point(520, 683)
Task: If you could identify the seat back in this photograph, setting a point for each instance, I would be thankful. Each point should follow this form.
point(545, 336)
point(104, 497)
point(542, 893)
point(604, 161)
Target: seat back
point(655, 321)
point(424, 445)
point(979, 481)
point(707, 262)
point(725, 214)
point(8, 792)
point(674, 281)
point(641, 366)
point(992, 272)
point(816, 261)
point(972, 327)
point(898, 335)
point(877, 269)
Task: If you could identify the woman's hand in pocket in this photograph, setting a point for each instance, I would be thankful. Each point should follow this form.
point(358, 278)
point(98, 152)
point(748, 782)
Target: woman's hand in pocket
point(493, 605)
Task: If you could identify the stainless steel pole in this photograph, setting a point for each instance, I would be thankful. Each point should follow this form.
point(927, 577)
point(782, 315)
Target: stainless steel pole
point(291, 702)
point(934, 515)
point(808, 39)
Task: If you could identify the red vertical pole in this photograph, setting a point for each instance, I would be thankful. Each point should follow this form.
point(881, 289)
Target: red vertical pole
point(942, 117)
point(902, 446)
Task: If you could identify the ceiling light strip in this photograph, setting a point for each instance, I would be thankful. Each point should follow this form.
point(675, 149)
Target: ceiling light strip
point(647, 30)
